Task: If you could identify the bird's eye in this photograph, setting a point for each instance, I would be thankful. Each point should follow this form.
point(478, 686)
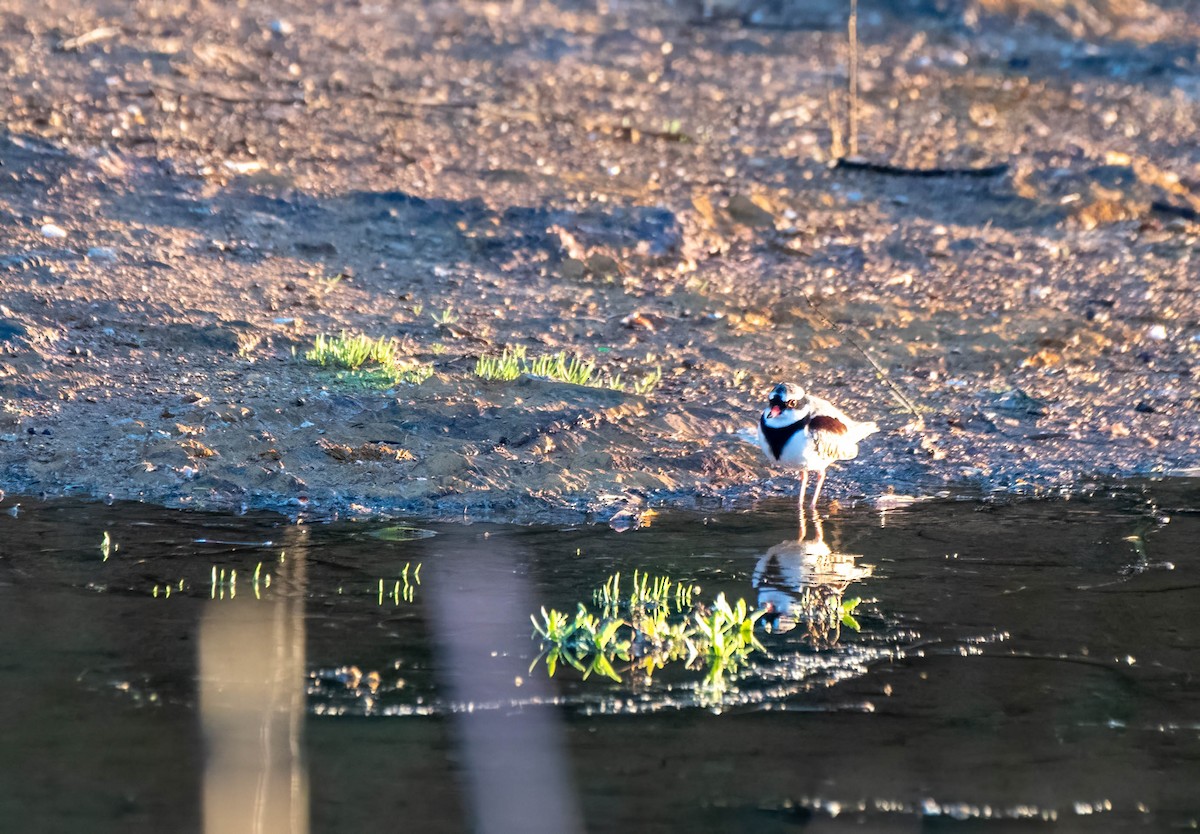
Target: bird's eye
point(792, 403)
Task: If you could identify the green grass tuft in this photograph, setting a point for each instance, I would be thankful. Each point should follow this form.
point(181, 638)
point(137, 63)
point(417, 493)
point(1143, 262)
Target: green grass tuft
point(507, 366)
point(558, 367)
point(376, 362)
point(352, 352)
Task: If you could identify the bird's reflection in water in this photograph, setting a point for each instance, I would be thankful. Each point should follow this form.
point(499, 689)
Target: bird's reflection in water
point(803, 582)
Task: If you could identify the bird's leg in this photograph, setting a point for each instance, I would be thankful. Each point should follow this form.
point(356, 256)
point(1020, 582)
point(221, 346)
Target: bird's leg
point(820, 533)
point(817, 488)
point(803, 488)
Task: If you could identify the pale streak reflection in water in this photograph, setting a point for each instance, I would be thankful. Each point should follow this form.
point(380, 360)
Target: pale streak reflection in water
point(252, 670)
point(252, 705)
point(515, 759)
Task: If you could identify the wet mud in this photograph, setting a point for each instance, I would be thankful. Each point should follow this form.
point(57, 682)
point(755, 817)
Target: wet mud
point(190, 198)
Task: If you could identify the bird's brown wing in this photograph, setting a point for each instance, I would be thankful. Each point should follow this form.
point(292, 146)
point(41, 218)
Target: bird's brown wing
point(830, 438)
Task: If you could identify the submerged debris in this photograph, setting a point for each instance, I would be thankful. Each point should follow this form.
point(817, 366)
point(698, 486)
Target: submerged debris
point(365, 452)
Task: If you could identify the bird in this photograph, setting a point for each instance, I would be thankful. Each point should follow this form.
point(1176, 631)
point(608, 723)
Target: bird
point(800, 431)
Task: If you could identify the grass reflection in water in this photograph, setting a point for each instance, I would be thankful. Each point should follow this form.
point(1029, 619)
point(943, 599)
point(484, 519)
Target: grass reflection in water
point(658, 622)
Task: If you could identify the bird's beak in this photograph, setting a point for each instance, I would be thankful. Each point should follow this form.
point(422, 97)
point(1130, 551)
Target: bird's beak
point(776, 411)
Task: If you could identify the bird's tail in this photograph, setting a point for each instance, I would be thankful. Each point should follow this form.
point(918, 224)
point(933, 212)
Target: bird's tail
point(865, 430)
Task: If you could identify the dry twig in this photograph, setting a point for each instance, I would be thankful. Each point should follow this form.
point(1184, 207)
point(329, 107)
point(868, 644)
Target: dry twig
point(880, 371)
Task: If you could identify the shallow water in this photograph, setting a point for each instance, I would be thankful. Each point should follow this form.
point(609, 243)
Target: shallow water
point(1017, 663)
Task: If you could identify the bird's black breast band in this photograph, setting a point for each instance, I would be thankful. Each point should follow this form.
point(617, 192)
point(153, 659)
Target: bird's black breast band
point(778, 438)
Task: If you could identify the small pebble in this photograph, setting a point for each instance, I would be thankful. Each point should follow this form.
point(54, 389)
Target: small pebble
point(53, 232)
point(622, 521)
point(1157, 332)
point(102, 254)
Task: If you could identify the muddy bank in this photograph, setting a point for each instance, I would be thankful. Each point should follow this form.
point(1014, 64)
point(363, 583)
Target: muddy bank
point(187, 203)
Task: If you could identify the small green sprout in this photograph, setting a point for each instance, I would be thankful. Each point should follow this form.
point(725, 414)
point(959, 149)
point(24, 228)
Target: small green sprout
point(648, 382)
point(445, 318)
point(222, 582)
point(403, 589)
point(847, 610)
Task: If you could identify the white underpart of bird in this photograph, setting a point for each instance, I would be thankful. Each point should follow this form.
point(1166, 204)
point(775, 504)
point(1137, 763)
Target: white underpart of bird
point(806, 433)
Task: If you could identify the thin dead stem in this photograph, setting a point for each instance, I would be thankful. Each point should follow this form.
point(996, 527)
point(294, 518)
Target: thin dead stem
point(852, 33)
point(880, 371)
point(837, 143)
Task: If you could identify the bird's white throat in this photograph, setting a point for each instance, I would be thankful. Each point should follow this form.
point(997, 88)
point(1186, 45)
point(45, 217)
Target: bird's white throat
point(786, 417)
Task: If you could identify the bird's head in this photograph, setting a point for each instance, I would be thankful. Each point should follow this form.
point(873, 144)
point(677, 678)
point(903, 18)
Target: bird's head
point(786, 396)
